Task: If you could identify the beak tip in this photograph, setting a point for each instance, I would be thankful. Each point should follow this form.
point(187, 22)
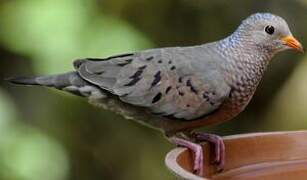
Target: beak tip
point(293, 43)
point(301, 50)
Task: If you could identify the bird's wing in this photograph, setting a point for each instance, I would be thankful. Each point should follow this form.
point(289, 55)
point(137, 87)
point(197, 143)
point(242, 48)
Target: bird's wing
point(169, 81)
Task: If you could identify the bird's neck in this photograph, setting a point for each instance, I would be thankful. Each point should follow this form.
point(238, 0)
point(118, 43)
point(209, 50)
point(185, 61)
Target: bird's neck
point(244, 48)
point(244, 61)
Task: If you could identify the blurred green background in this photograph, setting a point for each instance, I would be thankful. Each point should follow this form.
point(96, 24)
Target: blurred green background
point(50, 135)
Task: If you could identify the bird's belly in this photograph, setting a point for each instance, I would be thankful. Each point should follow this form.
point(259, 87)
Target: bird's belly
point(227, 111)
point(234, 106)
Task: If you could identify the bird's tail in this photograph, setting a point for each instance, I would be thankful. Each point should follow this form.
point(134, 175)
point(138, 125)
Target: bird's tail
point(70, 82)
point(57, 81)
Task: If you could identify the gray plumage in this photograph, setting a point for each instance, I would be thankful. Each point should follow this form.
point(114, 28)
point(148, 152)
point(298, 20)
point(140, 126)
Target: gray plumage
point(179, 88)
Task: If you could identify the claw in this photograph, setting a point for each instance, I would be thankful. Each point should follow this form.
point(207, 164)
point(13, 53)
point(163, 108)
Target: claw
point(196, 149)
point(217, 152)
point(219, 148)
point(198, 162)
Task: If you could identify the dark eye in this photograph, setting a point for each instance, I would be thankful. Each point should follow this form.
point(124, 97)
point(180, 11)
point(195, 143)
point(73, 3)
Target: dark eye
point(269, 29)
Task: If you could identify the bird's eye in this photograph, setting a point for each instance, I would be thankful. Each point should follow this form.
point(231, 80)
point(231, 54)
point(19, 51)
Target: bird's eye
point(269, 29)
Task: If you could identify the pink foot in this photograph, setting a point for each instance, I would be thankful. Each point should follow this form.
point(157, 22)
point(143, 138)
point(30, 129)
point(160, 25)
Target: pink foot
point(196, 149)
point(219, 147)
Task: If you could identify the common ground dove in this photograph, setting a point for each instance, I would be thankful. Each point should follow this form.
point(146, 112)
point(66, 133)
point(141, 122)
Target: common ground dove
point(178, 89)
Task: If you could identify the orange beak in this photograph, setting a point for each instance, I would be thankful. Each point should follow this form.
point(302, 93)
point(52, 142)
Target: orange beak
point(293, 43)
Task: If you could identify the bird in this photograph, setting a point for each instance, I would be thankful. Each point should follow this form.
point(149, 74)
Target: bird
point(179, 89)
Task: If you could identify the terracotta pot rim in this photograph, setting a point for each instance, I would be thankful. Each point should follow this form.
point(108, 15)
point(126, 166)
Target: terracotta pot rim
point(174, 166)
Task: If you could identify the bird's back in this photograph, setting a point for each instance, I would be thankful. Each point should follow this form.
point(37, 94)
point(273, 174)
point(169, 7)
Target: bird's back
point(178, 83)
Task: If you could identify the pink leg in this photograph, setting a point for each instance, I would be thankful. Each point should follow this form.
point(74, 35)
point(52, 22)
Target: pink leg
point(196, 149)
point(219, 147)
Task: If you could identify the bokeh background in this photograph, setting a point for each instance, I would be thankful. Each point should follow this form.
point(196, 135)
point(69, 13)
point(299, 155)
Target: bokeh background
point(50, 135)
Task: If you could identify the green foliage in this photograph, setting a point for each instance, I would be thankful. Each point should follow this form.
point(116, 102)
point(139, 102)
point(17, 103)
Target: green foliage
point(54, 33)
point(24, 152)
point(29, 155)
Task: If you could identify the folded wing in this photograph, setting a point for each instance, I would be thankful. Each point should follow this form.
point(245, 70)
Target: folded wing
point(169, 82)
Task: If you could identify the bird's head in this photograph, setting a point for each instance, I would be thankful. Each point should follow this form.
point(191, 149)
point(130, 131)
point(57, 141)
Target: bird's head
point(270, 32)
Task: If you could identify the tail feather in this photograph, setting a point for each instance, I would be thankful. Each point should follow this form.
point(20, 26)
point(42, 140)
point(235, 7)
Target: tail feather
point(70, 82)
point(57, 81)
point(23, 80)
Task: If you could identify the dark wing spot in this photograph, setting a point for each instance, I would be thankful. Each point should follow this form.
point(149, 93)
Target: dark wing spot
point(168, 89)
point(180, 79)
point(181, 93)
point(188, 105)
point(160, 61)
point(149, 58)
point(205, 96)
point(127, 61)
point(189, 84)
point(156, 98)
point(142, 67)
point(136, 76)
point(173, 67)
point(132, 82)
point(169, 62)
point(157, 79)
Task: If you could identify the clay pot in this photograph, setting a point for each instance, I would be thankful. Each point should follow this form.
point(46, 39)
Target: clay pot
point(265, 156)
